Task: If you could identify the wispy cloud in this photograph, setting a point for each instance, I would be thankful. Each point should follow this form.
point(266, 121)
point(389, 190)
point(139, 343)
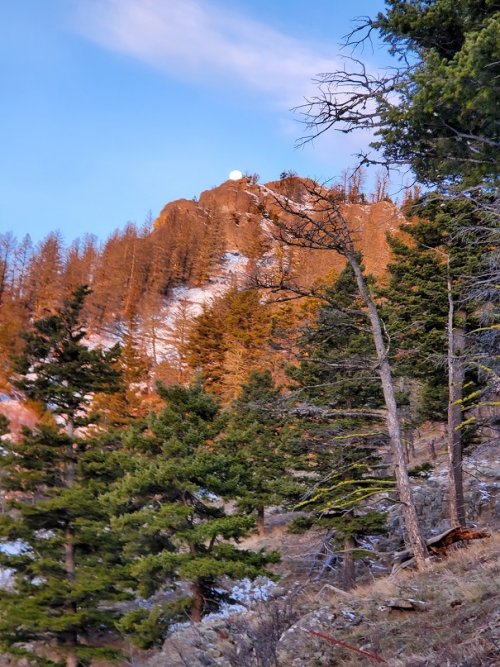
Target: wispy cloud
point(197, 39)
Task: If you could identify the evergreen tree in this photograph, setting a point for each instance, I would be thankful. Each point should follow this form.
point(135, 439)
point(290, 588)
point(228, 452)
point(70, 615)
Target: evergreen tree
point(432, 319)
point(337, 354)
point(259, 451)
point(322, 226)
point(436, 110)
point(445, 121)
point(67, 565)
point(342, 425)
point(229, 339)
point(59, 371)
point(127, 403)
point(168, 507)
point(416, 309)
point(207, 346)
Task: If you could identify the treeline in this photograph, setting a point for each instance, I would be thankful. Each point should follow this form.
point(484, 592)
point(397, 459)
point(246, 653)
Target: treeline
point(130, 273)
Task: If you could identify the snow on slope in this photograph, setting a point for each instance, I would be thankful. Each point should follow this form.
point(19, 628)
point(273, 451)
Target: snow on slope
point(163, 333)
point(186, 303)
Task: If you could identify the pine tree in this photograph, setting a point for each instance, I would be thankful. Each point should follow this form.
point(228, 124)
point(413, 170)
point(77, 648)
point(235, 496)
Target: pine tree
point(437, 109)
point(58, 370)
point(207, 346)
point(322, 226)
point(229, 339)
point(68, 565)
point(127, 403)
point(168, 508)
point(342, 424)
point(432, 319)
point(260, 455)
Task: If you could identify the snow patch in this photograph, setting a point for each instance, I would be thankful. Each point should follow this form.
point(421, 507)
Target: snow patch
point(484, 493)
point(161, 337)
point(14, 548)
point(244, 594)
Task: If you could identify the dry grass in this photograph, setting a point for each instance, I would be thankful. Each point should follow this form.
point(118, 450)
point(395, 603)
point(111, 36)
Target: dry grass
point(460, 625)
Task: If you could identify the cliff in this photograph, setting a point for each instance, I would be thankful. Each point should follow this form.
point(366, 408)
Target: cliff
point(235, 208)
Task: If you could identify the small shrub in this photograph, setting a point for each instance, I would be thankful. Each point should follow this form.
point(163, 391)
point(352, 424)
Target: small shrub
point(423, 470)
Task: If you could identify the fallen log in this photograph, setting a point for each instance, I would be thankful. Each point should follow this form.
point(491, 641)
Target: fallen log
point(337, 642)
point(439, 543)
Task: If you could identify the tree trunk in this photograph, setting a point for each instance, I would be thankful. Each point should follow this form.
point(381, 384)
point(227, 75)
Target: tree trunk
point(415, 538)
point(198, 601)
point(432, 450)
point(69, 553)
point(456, 373)
point(72, 660)
point(261, 527)
point(348, 569)
point(410, 438)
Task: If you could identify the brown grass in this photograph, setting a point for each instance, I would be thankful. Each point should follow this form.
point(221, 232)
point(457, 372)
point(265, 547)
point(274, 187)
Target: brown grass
point(459, 627)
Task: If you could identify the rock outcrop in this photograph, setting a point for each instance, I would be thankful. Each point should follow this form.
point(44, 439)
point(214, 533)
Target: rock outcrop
point(236, 208)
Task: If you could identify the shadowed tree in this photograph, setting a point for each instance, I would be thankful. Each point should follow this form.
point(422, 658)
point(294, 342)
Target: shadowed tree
point(342, 424)
point(168, 508)
point(68, 564)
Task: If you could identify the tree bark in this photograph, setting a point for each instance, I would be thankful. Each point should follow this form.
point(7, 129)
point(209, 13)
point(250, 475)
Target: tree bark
point(415, 538)
point(198, 601)
point(261, 527)
point(432, 450)
point(348, 569)
point(456, 375)
point(69, 551)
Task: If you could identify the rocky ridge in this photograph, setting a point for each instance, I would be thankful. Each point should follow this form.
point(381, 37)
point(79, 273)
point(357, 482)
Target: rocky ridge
point(236, 207)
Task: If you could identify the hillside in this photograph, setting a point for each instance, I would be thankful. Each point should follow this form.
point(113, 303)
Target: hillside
point(277, 427)
point(156, 278)
point(234, 209)
point(446, 616)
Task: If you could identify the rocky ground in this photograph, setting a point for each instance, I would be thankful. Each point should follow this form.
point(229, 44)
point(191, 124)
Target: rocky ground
point(447, 616)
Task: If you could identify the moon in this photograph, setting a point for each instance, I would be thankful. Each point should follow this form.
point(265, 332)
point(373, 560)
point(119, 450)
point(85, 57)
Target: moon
point(235, 175)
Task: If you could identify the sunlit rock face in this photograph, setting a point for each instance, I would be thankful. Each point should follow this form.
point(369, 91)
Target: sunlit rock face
point(236, 207)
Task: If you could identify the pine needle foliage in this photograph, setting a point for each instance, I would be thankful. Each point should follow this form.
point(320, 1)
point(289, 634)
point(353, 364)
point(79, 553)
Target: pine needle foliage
point(261, 453)
point(438, 264)
point(66, 566)
point(168, 506)
point(345, 466)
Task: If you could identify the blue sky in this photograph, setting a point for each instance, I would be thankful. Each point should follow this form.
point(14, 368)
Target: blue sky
point(112, 108)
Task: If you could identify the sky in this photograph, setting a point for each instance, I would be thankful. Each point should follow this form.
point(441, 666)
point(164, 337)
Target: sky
point(112, 108)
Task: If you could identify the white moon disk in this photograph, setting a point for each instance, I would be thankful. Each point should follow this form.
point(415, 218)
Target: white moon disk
point(235, 175)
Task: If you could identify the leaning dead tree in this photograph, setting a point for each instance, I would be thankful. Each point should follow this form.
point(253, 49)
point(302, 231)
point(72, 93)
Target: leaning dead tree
point(320, 225)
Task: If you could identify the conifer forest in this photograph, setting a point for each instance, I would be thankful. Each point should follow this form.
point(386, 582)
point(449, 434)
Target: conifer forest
point(289, 389)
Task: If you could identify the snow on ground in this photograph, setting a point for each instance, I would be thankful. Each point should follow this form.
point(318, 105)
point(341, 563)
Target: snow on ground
point(6, 574)
point(105, 340)
point(186, 303)
point(243, 595)
point(13, 548)
point(162, 335)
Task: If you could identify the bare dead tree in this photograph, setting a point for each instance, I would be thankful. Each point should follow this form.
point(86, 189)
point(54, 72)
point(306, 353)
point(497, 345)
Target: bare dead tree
point(320, 225)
